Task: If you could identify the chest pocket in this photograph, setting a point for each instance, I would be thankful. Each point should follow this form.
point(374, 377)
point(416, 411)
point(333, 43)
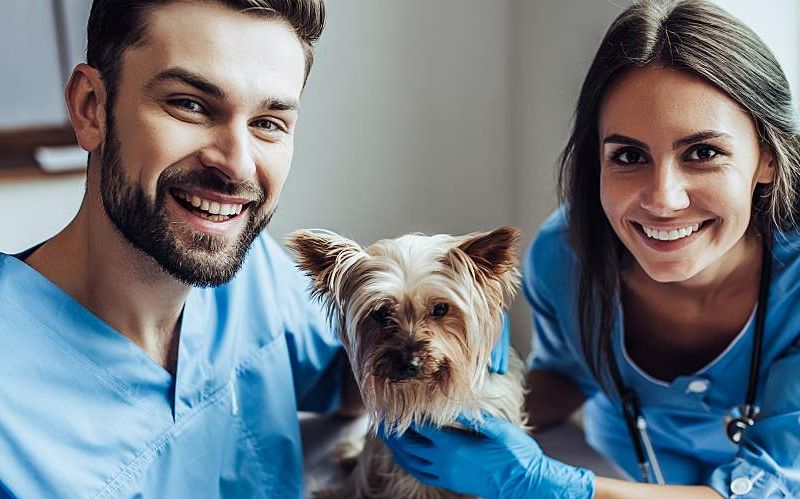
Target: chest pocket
point(263, 410)
point(243, 442)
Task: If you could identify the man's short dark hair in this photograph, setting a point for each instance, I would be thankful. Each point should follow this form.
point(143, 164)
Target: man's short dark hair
point(115, 25)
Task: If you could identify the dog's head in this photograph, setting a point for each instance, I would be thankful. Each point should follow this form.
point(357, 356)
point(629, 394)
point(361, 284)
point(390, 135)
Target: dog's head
point(418, 315)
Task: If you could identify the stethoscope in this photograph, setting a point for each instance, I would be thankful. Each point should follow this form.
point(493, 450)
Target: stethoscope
point(739, 419)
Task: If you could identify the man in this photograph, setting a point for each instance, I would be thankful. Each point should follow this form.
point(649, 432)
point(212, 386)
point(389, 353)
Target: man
point(144, 351)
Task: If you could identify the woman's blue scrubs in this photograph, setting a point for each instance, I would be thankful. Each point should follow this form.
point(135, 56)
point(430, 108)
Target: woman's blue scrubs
point(686, 416)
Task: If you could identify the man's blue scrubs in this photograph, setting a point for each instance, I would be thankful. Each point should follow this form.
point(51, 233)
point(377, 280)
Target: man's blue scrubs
point(84, 412)
point(685, 416)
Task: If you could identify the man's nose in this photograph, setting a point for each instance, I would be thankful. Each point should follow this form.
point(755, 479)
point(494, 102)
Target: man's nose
point(666, 190)
point(231, 152)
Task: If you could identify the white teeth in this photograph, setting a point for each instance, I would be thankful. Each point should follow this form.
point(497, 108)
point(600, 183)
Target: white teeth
point(214, 208)
point(672, 234)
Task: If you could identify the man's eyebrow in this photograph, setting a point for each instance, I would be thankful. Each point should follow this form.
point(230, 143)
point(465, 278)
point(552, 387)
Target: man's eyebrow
point(189, 78)
point(280, 104)
point(202, 84)
point(622, 139)
point(698, 137)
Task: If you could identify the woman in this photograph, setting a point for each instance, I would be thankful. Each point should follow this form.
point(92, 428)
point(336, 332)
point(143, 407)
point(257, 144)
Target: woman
point(676, 251)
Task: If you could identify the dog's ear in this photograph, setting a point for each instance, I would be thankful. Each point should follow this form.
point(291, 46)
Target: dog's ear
point(493, 252)
point(323, 256)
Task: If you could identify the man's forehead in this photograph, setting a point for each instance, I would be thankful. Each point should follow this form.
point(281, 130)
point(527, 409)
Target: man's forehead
point(227, 47)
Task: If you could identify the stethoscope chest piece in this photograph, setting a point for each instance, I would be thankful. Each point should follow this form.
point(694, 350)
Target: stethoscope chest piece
point(738, 420)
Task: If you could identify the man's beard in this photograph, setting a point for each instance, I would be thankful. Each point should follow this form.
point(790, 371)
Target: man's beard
point(194, 258)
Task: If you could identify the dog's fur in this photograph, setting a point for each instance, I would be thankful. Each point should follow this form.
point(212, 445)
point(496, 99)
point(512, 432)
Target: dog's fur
point(418, 317)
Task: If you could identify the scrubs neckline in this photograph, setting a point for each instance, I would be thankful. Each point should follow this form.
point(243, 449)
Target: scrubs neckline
point(704, 370)
point(108, 350)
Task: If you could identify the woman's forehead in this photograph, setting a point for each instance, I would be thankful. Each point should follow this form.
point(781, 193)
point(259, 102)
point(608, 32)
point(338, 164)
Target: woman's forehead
point(662, 101)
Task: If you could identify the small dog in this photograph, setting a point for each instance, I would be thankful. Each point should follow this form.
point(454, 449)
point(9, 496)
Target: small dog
point(418, 317)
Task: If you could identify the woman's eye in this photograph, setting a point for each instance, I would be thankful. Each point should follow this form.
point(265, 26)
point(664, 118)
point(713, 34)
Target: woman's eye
point(629, 157)
point(702, 153)
point(440, 309)
point(188, 105)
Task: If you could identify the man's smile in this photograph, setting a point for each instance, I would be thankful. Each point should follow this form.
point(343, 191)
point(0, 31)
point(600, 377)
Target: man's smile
point(213, 207)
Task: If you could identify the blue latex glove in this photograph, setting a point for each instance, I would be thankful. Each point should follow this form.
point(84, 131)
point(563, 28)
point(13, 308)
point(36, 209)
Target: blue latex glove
point(496, 459)
point(499, 359)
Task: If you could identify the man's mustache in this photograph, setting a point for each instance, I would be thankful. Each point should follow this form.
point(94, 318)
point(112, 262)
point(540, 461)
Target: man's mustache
point(208, 180)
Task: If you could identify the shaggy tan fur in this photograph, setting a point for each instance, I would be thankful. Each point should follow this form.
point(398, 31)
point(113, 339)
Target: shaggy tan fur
point(418, 317)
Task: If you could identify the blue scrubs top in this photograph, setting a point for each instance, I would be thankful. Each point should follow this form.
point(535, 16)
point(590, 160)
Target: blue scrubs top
point(84, 412)
point(686, 416)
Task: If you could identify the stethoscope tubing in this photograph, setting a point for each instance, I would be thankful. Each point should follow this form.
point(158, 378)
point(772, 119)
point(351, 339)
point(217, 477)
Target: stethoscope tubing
point(631, 407)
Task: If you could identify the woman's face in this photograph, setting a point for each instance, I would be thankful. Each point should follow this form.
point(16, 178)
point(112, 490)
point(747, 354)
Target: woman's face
point(679, 163)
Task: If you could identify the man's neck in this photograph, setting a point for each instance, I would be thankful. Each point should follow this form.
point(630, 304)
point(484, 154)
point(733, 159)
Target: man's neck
point(124, 287)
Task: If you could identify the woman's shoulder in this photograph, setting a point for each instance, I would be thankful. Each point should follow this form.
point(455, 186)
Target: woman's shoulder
point(550, 255)
point(551, 243)
point(786, 265)
point(786, 246)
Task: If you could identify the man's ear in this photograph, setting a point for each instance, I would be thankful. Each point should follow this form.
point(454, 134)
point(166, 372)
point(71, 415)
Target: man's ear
point(766, 166)
point(324, 257)
point(86, 103)
point(493, 252)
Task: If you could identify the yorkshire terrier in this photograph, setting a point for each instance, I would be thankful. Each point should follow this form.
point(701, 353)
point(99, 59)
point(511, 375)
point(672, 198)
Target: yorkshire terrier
point(418, 317)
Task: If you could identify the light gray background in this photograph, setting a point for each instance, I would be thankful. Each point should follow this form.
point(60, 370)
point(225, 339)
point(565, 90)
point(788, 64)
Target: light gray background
point(420, 115)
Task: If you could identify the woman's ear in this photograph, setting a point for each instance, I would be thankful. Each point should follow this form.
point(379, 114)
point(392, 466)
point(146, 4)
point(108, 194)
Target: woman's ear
point(86, 103)
point(766, 166)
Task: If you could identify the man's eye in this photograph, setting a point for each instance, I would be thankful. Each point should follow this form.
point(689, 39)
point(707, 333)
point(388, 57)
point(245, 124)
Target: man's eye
point(628, 157)
point(702, 153)
point(267, 125)
point(188, 105)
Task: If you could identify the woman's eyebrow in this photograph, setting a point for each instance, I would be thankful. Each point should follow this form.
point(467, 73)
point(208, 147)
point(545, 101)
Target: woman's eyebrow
point(699, 137)
point(689, 139)
point(622, 139)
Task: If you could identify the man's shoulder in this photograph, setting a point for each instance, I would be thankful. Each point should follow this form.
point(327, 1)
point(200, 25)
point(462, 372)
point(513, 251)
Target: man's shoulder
point(268, 281)
point(266, 266)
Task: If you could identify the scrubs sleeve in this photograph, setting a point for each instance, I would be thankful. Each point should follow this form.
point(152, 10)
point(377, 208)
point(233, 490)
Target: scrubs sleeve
point(316, 355)
point(767, 464)
point(547, 270)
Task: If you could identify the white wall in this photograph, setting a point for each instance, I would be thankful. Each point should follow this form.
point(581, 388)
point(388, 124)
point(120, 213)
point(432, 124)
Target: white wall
point(554, 43)
point(405, 121)
point(30, 75)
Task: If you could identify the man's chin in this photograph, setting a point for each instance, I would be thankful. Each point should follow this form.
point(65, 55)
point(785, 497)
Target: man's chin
point(207, 262)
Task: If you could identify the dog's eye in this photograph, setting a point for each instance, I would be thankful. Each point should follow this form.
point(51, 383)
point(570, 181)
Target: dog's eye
point(381, 315)
point(440, 309)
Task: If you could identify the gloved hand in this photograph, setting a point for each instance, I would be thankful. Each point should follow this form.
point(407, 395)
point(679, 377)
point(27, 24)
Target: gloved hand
point(499, 359)
point(494, 459)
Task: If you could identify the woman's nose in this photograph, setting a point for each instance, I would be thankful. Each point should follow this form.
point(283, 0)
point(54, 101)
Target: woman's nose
point(230, 152)
point(666, 190)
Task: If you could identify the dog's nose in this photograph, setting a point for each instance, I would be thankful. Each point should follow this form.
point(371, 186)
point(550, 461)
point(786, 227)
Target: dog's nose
point(406, 366)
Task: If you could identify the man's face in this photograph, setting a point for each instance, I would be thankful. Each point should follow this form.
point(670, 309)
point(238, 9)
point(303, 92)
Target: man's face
point(200, 136)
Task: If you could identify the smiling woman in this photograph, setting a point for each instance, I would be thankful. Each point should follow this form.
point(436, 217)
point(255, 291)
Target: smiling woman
point(680, 186)
point(665, 290)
